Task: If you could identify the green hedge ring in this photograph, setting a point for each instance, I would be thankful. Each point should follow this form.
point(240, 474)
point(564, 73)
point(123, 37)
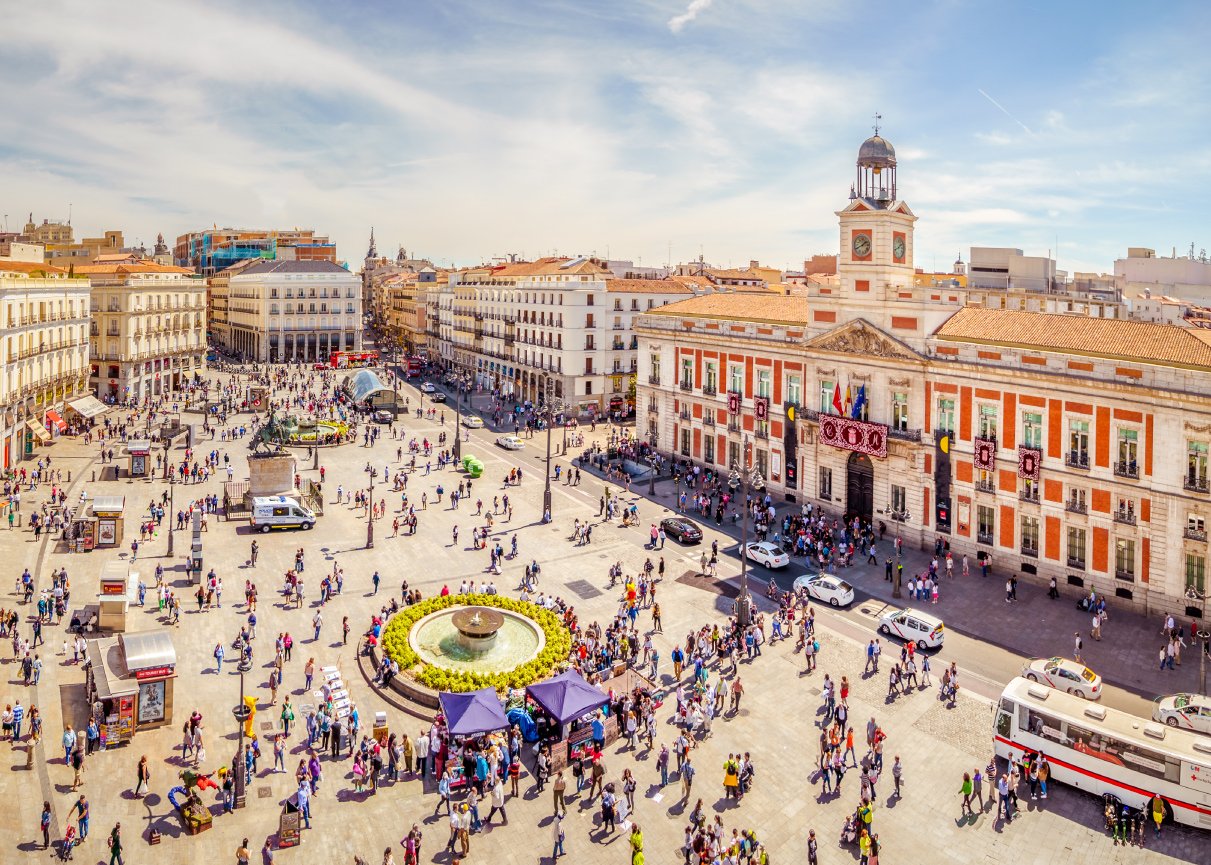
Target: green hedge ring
point(395, 643)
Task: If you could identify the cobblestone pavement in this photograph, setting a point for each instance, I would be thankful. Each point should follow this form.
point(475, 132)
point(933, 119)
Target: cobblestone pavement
point(776, 722)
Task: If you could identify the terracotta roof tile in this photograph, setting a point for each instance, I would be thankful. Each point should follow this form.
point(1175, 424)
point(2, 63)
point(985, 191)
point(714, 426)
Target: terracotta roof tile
point(1117, 339)
point(649, 286)
point(738, 306)
point(29, 267)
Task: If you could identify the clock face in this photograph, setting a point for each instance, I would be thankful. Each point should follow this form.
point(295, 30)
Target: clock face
point(862, 245)
point(897, 247)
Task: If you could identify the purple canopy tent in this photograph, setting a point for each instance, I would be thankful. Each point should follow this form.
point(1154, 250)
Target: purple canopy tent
point(473, 713)
point(567, 696)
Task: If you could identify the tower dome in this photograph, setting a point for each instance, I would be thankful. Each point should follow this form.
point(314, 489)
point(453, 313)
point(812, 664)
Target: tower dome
point(876, 171)
point(877, 152)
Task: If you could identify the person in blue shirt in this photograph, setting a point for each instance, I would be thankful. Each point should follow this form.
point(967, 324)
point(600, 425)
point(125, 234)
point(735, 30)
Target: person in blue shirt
point(304, 796)
point(598, 732)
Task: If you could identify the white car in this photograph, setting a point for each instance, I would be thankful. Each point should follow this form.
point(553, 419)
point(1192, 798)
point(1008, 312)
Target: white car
point(767, 554)
point(510, 443)
point(913, 626)
point(472, 422)
point(427, 387)
point(825, 587)
point(1064, 675)
point(1187, 711)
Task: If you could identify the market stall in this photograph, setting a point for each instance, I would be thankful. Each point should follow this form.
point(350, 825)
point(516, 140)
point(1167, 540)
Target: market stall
point(119, 590)
point(88, 407)
point(565, 700)
point(130, 679)
point(81, 533)
point(108, 511)
point(476, 713)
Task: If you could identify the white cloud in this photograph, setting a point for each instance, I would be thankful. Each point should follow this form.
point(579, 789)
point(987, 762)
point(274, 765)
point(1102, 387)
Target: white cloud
point(691, 12)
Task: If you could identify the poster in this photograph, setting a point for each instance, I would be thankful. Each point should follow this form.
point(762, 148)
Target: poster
point(151, 702)
point(107, 532)
point(138, 465)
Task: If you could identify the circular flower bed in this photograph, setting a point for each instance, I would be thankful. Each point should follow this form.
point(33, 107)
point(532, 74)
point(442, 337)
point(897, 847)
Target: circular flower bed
point(395, 643)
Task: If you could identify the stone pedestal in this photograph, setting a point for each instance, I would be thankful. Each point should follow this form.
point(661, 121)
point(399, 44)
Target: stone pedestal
point(271, 475)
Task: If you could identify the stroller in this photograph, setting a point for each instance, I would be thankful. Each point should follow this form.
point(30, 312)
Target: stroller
point(69, 841)
point(849, 832)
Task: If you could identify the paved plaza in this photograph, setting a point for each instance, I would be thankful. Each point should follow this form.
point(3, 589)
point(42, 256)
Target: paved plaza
point(777, 721)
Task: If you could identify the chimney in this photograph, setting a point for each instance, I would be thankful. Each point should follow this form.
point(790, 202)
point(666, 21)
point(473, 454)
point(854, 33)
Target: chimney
point(753, 265)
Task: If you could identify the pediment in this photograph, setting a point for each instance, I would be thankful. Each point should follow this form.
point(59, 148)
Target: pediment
point(863, 338)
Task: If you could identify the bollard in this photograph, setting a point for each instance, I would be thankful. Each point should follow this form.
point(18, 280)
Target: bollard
point(69, 476)
point(94, 476)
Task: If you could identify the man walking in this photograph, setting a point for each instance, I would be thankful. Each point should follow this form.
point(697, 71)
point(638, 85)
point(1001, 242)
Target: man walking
point(687, 779)
point(1076, 648)
point(1096, 633)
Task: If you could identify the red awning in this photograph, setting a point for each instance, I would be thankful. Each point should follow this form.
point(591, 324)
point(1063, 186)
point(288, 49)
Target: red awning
point(53, 417)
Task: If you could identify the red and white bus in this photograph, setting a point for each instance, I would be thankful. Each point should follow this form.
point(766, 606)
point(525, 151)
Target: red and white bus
point(1102, 750)
point(353, 359)
point(414, 364)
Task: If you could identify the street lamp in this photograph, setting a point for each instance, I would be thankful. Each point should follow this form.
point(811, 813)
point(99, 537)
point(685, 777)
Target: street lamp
point(458, 405)
point(1193, 593)
point(241, 712)
point(742, 476)
point(370, 513)
point(552, 409)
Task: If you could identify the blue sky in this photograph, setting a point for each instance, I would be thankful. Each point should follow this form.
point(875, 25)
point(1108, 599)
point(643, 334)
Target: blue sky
point(465, 129)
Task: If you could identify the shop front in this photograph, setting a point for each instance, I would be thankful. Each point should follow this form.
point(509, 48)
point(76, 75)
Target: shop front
point(130, 684)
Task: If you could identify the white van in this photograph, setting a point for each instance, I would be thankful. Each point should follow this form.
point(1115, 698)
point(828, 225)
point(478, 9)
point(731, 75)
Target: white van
point(913, 626)
point(279, 512)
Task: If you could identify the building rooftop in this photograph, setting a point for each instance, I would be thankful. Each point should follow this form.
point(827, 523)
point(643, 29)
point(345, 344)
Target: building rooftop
point(549, 266)
point(739, 306)
point(29, 268)
point(1117, 339)
point(649, 286)
point(146, 266)
point(321, 266)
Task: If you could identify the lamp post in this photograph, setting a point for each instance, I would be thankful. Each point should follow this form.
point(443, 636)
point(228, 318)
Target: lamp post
point(241, 713)
point(553, 408)
point(458, 405)
point(370, 513)
point(741, 476)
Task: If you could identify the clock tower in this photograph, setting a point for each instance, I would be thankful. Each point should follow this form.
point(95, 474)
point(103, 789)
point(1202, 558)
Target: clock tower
point(876, 228)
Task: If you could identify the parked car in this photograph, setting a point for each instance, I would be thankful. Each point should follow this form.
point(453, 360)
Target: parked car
point(1065, 675)
point(383, 416)
point(510, 443)
point(1187, 711)
point(682, 530)
point(472, 422)
point(913, 626)
point(825, 587)
point(765, 553)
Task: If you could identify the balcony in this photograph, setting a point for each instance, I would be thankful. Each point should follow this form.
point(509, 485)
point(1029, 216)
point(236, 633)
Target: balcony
point(985, 486)
point(907, 435)
point(654, 379)
point(708, 420)
point(1076, 564)
point(984, 538)
point(685, 413)
point(687, 387)
point(1125, 517)
point(1032, 552)
point(761, 434)
point(1077, 460)
point(1031, 495)
point(733, 426)
point(1075, 507)
point(1127, 470)
point(1196, 534)
point(708, 390)
point(1125, 576)
point(1194, 484)
point(652, 408)
point(898, 516)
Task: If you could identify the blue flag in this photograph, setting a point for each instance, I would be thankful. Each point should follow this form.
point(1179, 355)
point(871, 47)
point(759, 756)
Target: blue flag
point(860, 401)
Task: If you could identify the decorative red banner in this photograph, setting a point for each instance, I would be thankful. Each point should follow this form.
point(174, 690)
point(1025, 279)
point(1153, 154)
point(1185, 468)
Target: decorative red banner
point(733, 402)
point(985, 454)
point(1029, 462)
point(854, 435)
point(761, 408)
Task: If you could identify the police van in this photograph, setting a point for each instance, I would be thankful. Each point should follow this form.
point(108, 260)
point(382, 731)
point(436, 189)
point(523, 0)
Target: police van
point(279, 512)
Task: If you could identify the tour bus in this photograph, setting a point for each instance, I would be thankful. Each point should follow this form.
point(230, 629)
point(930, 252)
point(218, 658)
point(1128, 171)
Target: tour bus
point(1102, 750)
point(352, 359)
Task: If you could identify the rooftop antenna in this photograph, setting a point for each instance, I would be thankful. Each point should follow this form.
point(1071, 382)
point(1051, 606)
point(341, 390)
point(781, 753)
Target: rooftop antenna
point(69, 217)
point(670, 261)
point(878, 117)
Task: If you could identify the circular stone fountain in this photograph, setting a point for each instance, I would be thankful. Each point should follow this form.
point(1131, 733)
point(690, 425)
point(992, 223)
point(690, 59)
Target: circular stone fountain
point(477, 628)
point(476, 639)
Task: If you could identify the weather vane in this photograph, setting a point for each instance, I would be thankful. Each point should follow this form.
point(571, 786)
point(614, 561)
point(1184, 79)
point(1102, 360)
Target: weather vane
point(878, 117)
